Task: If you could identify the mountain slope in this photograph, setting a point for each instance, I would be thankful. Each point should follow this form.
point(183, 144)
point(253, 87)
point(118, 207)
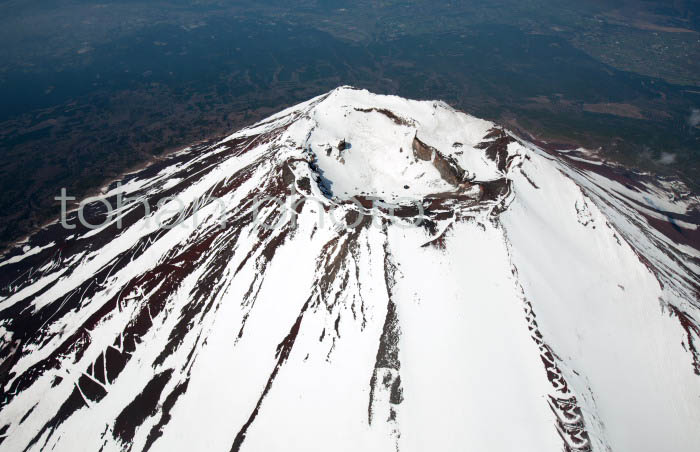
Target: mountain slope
point(360, 272)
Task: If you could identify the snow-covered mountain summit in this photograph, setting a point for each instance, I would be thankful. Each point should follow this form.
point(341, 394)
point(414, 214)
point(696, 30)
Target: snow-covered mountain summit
point(359, 272)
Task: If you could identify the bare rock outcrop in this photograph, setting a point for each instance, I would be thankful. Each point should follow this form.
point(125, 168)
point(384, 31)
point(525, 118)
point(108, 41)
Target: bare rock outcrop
point(448, 167)
point(421, 150)
point(497, 148)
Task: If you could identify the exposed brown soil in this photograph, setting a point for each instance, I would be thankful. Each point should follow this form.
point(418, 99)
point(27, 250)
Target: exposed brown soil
point(692, 330)
point(617, 109)
point(284, 349)
point(145, 404)
point(563, 403)
point(389, 114)
point(421, 150)
point(497, 148)
point(448, 168)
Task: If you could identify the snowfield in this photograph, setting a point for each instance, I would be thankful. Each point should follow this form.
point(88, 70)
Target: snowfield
point(360, 272)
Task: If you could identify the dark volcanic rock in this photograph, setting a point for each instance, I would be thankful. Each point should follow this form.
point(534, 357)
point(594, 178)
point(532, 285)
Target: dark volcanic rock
point(447, 166)
point(421, 150)
point(497, 150)
point(449, 169)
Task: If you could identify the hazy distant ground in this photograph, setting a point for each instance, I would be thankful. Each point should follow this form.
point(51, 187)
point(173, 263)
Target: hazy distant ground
point(89, 90)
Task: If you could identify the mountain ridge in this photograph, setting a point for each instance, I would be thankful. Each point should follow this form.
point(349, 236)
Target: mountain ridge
point(433, 279)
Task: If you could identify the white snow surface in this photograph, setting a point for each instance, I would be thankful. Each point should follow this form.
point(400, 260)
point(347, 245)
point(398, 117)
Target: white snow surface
point(546, 314)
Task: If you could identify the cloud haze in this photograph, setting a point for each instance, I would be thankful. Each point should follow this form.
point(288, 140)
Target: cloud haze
point(694, 118)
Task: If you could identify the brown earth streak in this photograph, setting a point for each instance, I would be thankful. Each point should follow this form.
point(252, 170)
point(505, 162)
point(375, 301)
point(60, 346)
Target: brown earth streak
point(448, 168)
point(692, 330)
point(497, 148)
point(142, 406)
point(389, 114)
point(388, 351)
point(161, 281)
point(570, 423)
point(616, 109)
point(421, 150)
point(284, 349)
